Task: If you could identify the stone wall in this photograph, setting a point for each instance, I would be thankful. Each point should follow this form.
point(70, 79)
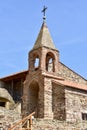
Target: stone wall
point(76, 104)
point(70, 75)
point(58, 102)
point(48, 98)
point(39, 124)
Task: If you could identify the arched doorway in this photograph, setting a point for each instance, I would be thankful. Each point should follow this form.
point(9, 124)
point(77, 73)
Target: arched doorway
point(33, 97)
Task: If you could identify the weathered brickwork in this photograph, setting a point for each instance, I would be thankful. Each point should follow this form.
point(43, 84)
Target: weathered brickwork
point(48, 98)
point(70, 75)
point(33, 94)
point(58, 102)
point(76, 104)
point(41, 54)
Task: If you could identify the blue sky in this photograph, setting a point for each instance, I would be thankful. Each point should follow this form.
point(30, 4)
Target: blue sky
point(20, 22)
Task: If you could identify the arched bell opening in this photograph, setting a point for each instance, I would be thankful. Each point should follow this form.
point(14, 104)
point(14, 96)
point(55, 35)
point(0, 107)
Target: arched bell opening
point(36, 61)
point(33, 98)
point(50, 62)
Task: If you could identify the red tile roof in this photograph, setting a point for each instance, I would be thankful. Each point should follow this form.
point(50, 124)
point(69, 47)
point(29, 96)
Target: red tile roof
point(18, 75)
point(71, 84)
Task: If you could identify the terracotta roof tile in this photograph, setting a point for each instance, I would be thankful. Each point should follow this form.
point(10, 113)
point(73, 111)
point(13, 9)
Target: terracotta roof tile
point(15, 76)
point(70, 84)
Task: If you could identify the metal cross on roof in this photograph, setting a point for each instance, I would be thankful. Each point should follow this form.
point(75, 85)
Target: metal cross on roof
point(44, 12)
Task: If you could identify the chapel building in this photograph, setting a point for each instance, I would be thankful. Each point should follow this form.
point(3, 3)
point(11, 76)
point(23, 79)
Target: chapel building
point(48, 87)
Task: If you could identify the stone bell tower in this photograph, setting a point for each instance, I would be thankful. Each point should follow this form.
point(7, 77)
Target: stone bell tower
point(43, 65)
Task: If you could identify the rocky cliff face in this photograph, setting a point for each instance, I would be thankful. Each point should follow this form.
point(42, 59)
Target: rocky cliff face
point(8, 117)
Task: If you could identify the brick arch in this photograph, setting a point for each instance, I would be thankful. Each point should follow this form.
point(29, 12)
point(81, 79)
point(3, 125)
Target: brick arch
point(34, 60)
point(50, 62)
point(33, 97)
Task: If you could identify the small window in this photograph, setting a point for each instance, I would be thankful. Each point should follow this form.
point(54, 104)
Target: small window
point(2, 104)
point(84, 116)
